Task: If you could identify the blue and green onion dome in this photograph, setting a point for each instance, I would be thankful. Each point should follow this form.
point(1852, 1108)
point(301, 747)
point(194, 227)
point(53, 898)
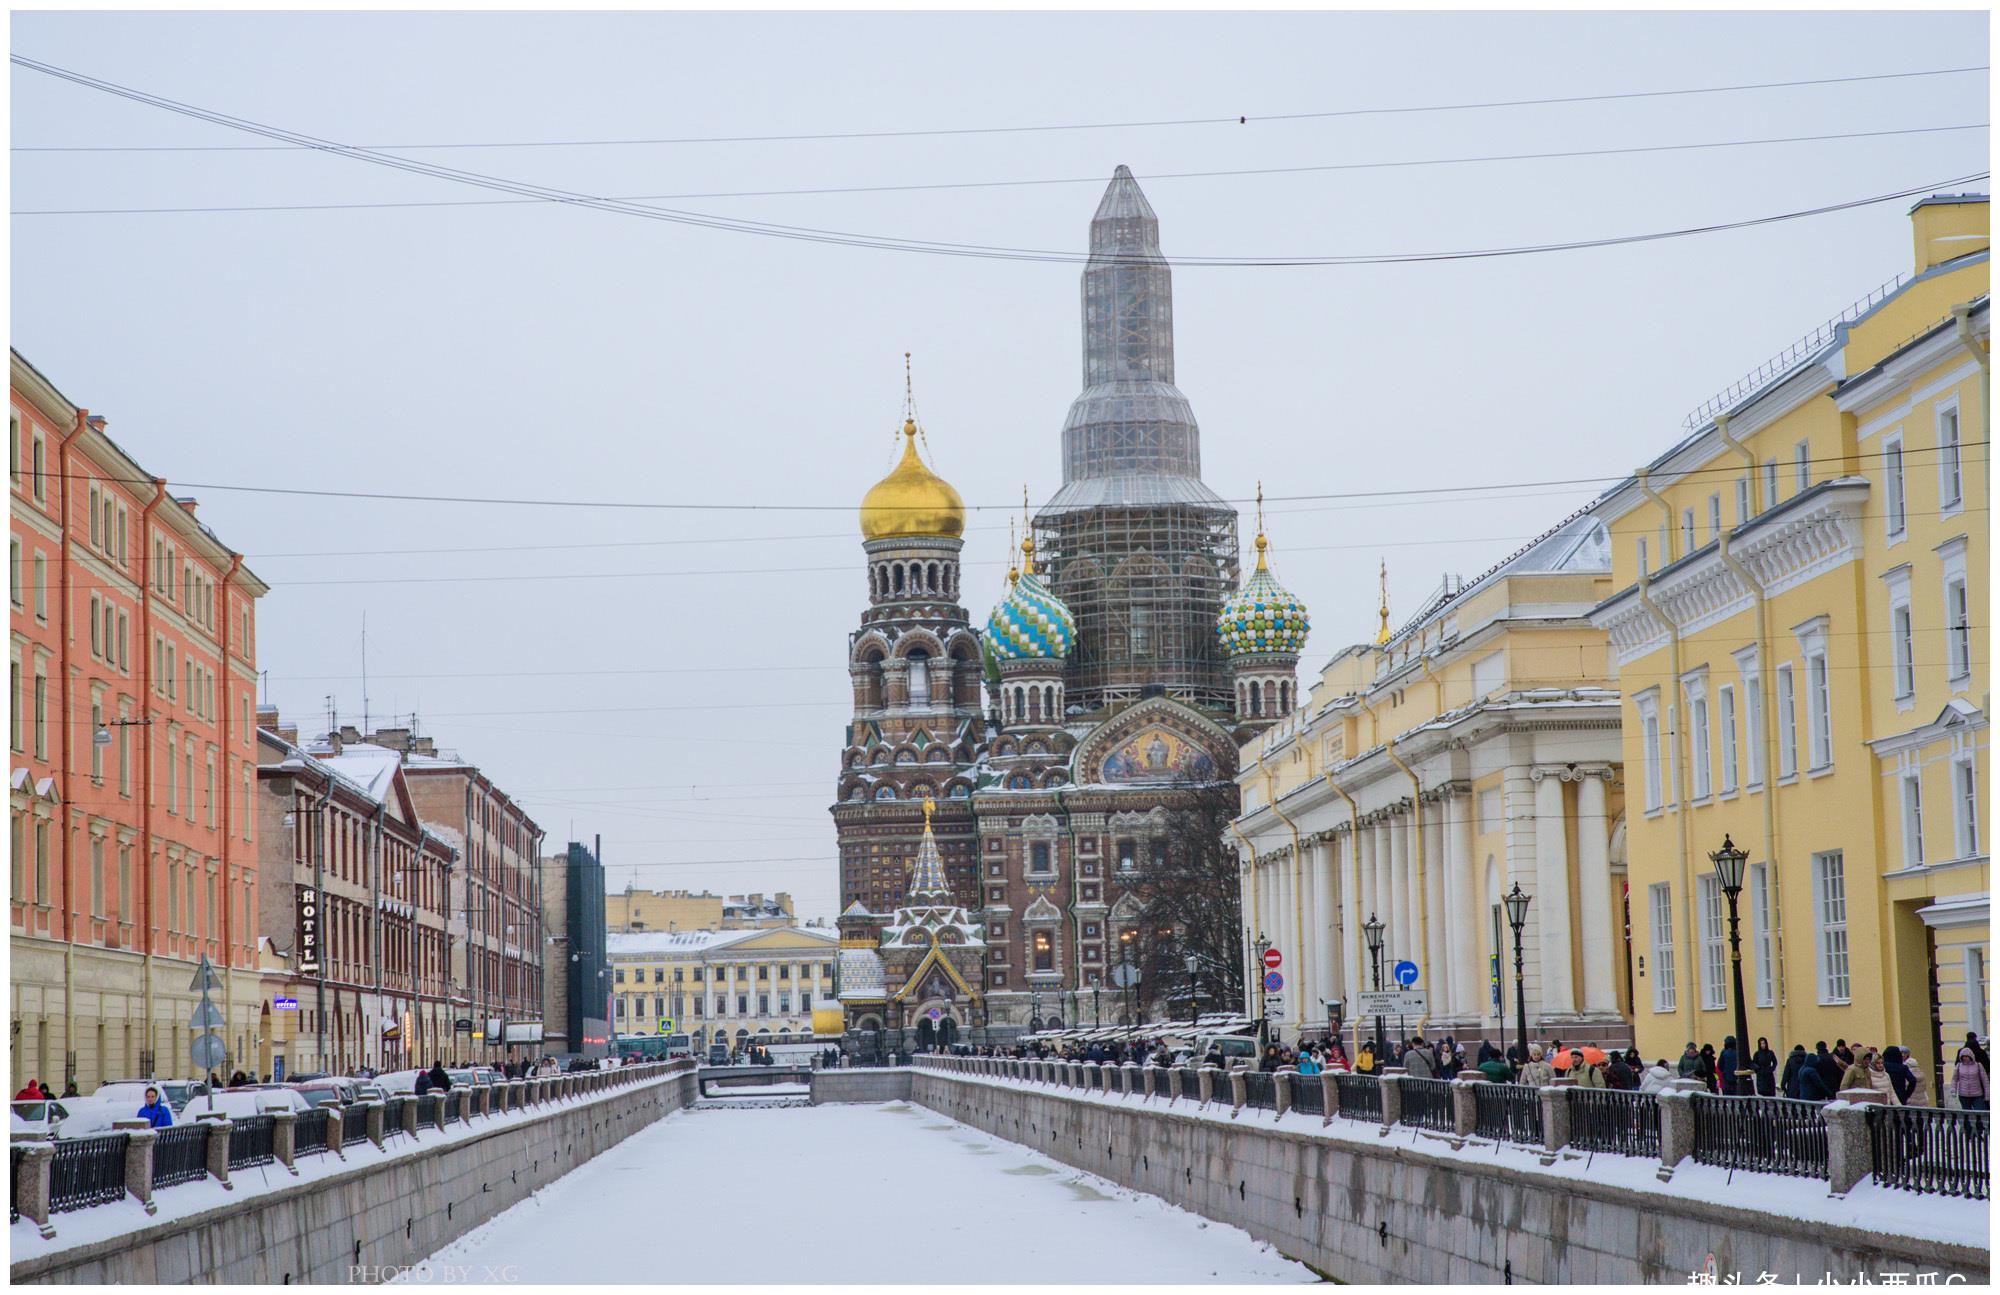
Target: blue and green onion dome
point(1030, 623)
point(1263, 619)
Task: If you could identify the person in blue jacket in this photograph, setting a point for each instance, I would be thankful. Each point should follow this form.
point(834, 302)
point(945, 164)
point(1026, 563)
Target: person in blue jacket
point(156, 1112)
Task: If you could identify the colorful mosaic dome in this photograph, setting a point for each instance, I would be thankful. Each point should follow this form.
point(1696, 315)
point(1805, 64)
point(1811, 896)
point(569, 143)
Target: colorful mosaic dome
point(1262, 619)
point(1030, 623)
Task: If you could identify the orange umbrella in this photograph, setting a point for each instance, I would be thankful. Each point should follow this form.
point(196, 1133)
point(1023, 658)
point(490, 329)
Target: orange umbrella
point(1563, 1060)
point(1594, 1056)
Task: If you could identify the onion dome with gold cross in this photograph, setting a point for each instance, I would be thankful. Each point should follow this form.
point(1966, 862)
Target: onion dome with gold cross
point(912, 500)
point(1262, 619)
point(1030, 623)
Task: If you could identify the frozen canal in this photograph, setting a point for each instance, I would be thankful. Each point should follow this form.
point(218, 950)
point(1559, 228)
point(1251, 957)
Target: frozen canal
point(890, 1193)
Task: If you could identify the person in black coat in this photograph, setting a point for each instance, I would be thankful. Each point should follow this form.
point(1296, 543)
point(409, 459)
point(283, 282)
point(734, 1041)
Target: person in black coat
point(1830, 1069)
point(1765, 1063)
point(1725, 1073)
point(423, 1082)
point(440, 1081)
point(1813, 1086)
point(1789, 1083)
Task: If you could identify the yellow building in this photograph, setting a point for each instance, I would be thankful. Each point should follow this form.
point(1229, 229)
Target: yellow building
point(686, 910)
point(1474, 749)
point(1801, 644)
point(734, 987)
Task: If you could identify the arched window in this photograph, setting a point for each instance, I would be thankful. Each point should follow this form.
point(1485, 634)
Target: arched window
point(920, 677)
point(1256, 700)
point(931, 577)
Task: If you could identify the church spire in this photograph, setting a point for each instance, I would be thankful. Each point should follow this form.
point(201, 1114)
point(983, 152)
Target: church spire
point(927, 882)
point(1383, 636)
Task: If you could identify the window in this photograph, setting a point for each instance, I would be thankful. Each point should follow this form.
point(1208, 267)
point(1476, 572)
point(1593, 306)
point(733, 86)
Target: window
point(1714, 962)
point(41, 587)
point(41, 714)
point(1045, 953)
point(1965, 812)
point(1912, 784)
point(37, 454)
point(125, 884)
point(14, 571)
point(1802, 465)
point(1753, 718)
point(1714, 515)
point(1958, 628)
point(1725, 697)
point(1770, 483)
point(1649, 724)
point(97, 876)
point(96, 516)
point(125, 765)
point(1038, 857)
point(1644, 569)
point(1902, 649)
point(1687, 531)
point(1896, 509)
point(1757, 882)
point(96, 751)
point(1743, 501)
point(1699, 758)
point(1666, 553)
point(1830, 925)
point(1975, 989)
point(14, 708)
point(1788, 725)
point(743, 1004)
point(1663, 946)
point(96, 635)
point(1951, 482)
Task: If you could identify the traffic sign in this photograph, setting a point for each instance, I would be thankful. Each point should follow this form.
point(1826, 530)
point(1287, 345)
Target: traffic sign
point(1124, 975)
point(1406, 973)
point(1273, 959)
point(666, 1025)
point(1391, 1002)
point(207, 1016)
point(205, 978)
point(208, 1052)
point(1273, 982)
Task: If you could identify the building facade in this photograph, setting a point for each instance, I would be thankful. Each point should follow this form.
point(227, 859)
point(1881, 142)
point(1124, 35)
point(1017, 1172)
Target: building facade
point(576, 981)
point(685, 910)
point(729, 987)
point(132, 668)
point(355, 912)
point(1800, 637)
point(1474, 749)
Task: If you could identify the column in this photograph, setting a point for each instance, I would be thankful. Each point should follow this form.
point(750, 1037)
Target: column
point(1322, 926)
point(1299, 929)
point(1467, 908)
point(1348, 847)
point(1246, 880)
point(1437, 976)
point(1385, 895)
point(1410, 859)
point(1593, 881)
point(1552, 900)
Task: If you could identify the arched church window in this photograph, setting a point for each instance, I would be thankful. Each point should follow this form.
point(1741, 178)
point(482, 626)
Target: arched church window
point(920, 678)
point(899, 577)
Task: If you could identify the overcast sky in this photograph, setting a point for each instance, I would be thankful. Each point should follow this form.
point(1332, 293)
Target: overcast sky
point(675, 680)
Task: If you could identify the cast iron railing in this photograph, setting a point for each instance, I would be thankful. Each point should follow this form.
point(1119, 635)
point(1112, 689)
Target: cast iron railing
point(87, 1171)
point(1773, 1135)
point(309, 1132)
point(1427, 1104)
point(1610, 1119)
point(1260, 1090)
point(253, 1142)
point(1508, 1113)
point(1921, 1149)
point(14, 1186)
point(392, 1116)
point(1191, 1083)
point(354, 1125)
point(180, 1155)
point(1360, 1097)
point(428, 1113)
point(1308, 1095)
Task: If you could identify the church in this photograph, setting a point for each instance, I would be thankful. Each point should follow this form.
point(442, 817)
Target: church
point(1004, 785)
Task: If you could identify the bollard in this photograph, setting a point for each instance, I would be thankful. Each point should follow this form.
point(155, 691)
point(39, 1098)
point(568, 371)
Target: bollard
point(284, 1138)
point(218, 1151)
point(1465, 1106)
point(1206, 1084)
point(1849, 1156)
point(31, 1184)
point(1555, 1122)
point(139, 1159)
point(1281, 1084)
point(1239, 1092)
point(336, 1128)
point(1329, 1095)
point(1676, 1129)
point(1392, 1098)
point(378, 1131)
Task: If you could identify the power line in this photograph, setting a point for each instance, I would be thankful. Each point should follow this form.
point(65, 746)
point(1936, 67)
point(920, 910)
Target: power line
point(1233, 120)
point(1396, 164)
point(804, 233)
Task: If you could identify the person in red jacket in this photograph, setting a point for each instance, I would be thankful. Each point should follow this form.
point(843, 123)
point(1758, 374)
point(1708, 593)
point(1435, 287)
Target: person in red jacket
point(31, 1093)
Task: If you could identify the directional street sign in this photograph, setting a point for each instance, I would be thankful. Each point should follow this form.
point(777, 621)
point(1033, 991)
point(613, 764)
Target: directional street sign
point(208, 1051)
point(205, 978)
point(1273, 982)
point(1406, 973)
point(1273, 959)
point(1391, 1002)
point(207, 1016)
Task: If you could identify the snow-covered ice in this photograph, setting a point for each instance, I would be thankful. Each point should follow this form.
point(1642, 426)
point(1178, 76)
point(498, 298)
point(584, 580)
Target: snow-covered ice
point(890, 1193)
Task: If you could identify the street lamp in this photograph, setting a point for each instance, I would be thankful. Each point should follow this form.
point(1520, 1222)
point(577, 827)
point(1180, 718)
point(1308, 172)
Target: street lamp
point(1728, 863)
point(1372, 928)
point(1517, 917)
point(1194, 1002)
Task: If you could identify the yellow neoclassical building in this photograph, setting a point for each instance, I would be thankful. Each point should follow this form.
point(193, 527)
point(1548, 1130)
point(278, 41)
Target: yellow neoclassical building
point(1800, 638)
point(733, 987)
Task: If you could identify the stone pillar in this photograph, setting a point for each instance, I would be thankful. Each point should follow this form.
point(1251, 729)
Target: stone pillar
point(1464, 907)
point(1411, 860)
point(218, 1151)
point(139, 1159)
point(1281, 1084)
point(1152, 1078)
point(411, 1105)
point(1676, 1130)
point(284, 1138)
point(336, 1128)
point(1106, 1074)
point(1173, 1084)
point(31, 1184)
point(1353, 946)
point(1239, 1091)
point(1437, 974)
point(1329, 1094)
point(1385, 893)
point(1392, 1098)
point(1593, 889)
point(1133, 1079)
point(1849, 1156)
point(1555, 1122)
point(1207, 1084)
point(1402, 894)
point(1465, 1106)
point(1551, 906)
point(378, 1131)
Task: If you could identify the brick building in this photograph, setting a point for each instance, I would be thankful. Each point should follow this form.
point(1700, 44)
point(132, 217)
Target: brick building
point(132, 668)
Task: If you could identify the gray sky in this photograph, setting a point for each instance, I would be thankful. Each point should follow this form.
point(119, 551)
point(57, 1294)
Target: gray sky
point(694, 719)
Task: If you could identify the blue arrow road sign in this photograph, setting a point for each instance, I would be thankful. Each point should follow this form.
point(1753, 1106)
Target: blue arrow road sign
point(1273, 982)
point(1406, 973)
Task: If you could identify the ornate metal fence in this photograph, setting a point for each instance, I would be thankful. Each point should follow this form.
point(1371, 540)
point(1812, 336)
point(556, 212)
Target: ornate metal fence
point(1191, 1083)
point(1508, 1113)
point(1260, 1090)
point(354, 1125)
point(1608, 1119)
point(253, 1142)
point(1427, 1104)
point(1773, 1135)
point(14, 1186)
point(1360, 1097)
point(1308, 1095)
point(87, 1171)
point(309, 1132)
point(392, 1116)
point(180, 1155)
point(428, 1113)
point(1921, 1149)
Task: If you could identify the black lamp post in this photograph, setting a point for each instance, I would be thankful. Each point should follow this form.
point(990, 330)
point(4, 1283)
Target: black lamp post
point(1517, 917)
point(1372, 928)
point(1194, 1003)
point(1728, 863)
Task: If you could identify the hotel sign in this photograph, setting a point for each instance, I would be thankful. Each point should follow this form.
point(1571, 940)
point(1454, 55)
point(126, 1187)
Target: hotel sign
point(309, 929)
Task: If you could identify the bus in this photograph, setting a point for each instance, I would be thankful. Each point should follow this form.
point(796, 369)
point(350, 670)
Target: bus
point(653, 1047)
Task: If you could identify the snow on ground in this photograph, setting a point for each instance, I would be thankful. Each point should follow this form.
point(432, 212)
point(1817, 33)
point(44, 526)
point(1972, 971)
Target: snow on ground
point(953, 1204)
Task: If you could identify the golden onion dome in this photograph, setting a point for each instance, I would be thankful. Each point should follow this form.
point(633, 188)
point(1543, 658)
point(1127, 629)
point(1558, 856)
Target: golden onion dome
point(828, 1022)
point(912, 500)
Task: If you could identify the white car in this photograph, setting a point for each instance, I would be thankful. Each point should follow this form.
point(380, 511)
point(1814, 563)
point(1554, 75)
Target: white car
point(38, 1119)
point(85, 1117)
point(174, 1092)
point(242, 1103)
point(399, 1083)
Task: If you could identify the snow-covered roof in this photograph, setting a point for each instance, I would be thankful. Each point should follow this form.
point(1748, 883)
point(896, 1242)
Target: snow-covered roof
point(371, 767)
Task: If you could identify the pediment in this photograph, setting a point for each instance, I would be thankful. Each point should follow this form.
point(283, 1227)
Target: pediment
point(1158, 742)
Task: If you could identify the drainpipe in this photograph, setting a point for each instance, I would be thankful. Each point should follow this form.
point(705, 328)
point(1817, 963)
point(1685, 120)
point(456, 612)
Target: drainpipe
point(1962, 315)
point(228, 881)
point(1298, 892)
point(375, 920)
point(1749, 462)
point(146, 753)
point(1252, 982)
point(66, 737)
point(1767, 686)
point(1416, 860)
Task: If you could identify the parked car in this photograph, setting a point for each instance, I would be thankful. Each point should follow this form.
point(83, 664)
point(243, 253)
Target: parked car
point(399, 1083)
point(242, 1103)
point(38, 1119)
point(174, 1092)
point(368, 1090)
point(318, 1092)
